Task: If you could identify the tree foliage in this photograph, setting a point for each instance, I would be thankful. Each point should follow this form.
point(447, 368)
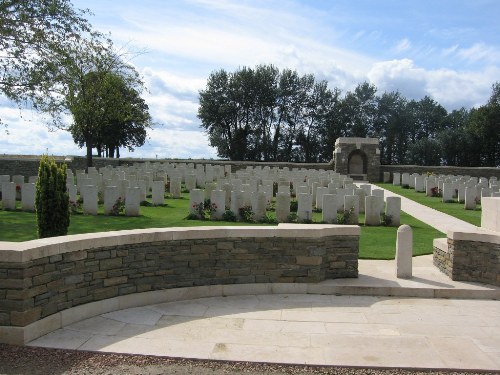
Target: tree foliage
point(51, 199)
point(33, 34)
point(265, 114)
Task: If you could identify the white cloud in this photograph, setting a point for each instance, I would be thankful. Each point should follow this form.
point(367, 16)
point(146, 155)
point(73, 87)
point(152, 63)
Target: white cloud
point(480, 52)
point(450, 88)
point(402, 46)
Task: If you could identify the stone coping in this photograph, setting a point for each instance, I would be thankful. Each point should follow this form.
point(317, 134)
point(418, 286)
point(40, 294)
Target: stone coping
point(354, 140)
point(441, 244)
point(36, 249)
point(481, 235)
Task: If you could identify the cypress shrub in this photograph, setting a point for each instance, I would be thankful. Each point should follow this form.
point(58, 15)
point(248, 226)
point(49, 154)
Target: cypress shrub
point(51, 200)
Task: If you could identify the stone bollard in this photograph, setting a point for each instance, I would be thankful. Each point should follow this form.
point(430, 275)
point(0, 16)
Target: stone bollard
point(404, 252)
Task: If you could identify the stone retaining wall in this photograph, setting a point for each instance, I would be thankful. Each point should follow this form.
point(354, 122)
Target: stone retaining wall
point(43, 277)
point(469, 257)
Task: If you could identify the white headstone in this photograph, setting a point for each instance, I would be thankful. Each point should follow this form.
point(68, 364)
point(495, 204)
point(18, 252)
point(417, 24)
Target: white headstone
point(396, 178)
point(304, 210)
point(393, 209)
point(282, 207)
point(9, 195)
point(374, 205)
point(320, 191)
point(448, 191)
point(330, 208)
point(111, 195)
point(259, 203)
point(218, 203)
point(351, 204)
point(196, 201)
point(28, 197)
point(90, 199)
point(470, 198)
point(175, 187)
point(158, 193)
point(132, 201)
point(236, 202)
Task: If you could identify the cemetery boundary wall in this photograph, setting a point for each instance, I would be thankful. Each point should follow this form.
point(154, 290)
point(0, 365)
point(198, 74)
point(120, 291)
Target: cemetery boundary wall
point(48, 283)
point(28, 165)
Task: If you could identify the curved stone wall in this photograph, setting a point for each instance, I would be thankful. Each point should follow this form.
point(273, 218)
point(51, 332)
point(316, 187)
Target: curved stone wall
point(43, 281)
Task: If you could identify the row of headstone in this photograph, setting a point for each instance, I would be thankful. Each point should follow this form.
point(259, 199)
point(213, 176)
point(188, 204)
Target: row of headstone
point(10, 194)
point(331, 204)
point(464, 189)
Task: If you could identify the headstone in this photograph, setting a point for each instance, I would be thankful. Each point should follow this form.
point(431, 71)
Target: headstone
point(190, 182)
point(143, 185)
point(209, 187)
point(405, 179)
point(393, 209)
point(72, 192)
point(282, 207)
point(470, 198)
point(28, 197)
point(8, 195)
point(90, 199)
point(259, 204)
point(236, 202)
point(351, 204)
point(158, 193)
point(132, 201)
point(218, 202)
point(175, 187)
point(304, 210)
point(320, 191)
point(419, 184)
point(387, 176)
point(362, 195)
point(396, 178)
point(374, 205)
point(196, 201)
point(404, 252)
point(430, 186)
point(111, 195)
point(330, 208)
point(447, 192)
point(412, 180)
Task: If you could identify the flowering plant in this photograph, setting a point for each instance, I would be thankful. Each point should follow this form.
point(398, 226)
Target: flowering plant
point(118, 207)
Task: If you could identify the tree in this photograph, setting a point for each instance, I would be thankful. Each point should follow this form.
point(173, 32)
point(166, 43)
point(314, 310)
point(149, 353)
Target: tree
point(108, 114)
point(51, 199)
point(33, 33)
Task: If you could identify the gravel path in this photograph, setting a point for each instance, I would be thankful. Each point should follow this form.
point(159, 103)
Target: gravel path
point(36, 361)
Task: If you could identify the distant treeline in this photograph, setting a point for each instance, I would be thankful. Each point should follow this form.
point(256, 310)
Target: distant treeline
point(264, 114)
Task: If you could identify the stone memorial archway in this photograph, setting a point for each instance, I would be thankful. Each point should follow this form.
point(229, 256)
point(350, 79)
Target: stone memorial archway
point(358, 158)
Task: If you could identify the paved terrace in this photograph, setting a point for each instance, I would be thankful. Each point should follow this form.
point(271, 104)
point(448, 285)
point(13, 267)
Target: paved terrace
point(428, 321)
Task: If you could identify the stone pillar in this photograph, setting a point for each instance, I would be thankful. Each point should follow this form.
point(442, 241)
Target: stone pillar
point(393, 210)
point(111, 195)
point(404, 252)
point(158, 193)
point(304, 210)
point(132, 201)
point(282, 207)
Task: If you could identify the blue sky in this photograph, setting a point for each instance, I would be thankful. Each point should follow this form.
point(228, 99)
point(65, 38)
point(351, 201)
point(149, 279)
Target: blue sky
point(447, 49)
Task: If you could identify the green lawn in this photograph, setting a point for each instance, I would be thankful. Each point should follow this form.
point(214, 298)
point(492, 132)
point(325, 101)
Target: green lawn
point(454, 209)
point(375, 242)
